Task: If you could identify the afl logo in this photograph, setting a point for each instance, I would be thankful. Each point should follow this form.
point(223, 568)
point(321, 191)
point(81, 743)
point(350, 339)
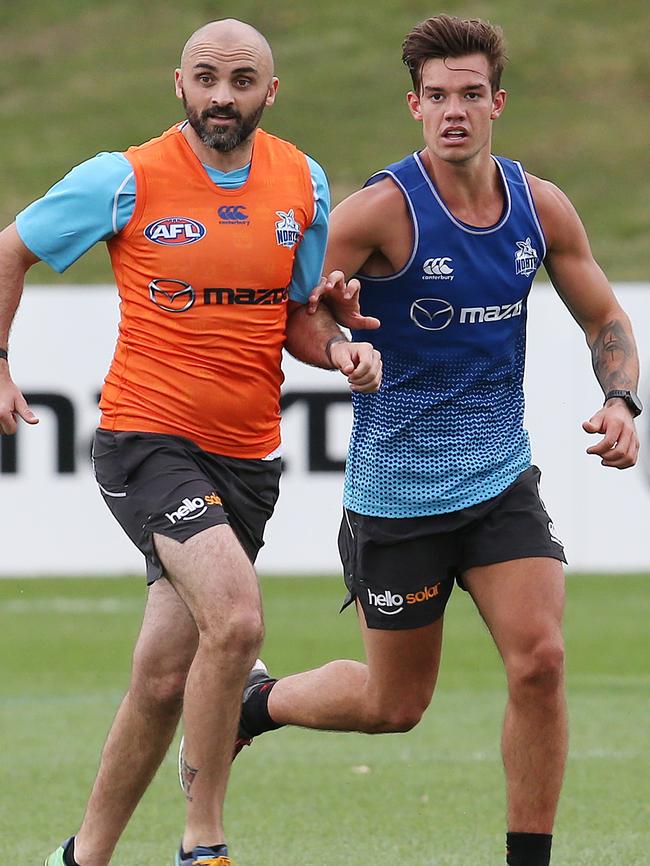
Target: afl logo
point(432, 314)
point(175, 231)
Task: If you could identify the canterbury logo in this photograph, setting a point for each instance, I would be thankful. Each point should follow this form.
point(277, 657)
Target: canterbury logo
point(235, 213)
point(439, 267)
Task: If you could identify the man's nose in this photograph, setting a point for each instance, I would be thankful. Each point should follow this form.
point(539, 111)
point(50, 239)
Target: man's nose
point(455, 107)
point(221, 95)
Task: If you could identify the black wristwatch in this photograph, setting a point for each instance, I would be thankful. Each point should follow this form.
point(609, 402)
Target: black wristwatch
point(631, 398)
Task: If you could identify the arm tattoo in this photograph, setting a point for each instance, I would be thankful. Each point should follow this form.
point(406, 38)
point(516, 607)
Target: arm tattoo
point(188, 774)
point(614, 357)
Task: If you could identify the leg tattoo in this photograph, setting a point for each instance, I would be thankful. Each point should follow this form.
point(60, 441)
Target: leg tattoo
point(188, 774)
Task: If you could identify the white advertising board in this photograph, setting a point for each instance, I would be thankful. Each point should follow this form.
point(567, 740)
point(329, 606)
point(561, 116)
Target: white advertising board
point(53, 521)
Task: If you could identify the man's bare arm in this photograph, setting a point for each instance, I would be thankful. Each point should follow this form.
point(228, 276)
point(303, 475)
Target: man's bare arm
point(361, 237)
point(15, 261)
point(614, 356)
point(316, 339)
point(586, 292)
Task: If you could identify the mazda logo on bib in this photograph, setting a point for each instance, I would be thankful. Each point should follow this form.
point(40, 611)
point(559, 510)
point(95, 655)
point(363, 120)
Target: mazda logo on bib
point(173, 296)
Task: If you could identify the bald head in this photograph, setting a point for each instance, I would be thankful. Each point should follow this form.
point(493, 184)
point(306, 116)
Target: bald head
point(225, 81)
point(229, 37)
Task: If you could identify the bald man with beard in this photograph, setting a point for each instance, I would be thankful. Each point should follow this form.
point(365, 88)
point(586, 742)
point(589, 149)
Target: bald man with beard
point(216, 232)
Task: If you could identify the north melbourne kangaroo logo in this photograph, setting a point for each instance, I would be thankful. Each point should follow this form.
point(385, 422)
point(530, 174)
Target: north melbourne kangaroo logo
point(287, 230)
point(526, 258)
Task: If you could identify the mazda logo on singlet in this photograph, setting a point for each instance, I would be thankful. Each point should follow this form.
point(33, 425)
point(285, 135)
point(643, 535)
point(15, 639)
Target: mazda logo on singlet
point(173, 296)
point(432, 314)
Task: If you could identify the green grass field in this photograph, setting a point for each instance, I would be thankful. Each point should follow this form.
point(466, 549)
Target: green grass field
point(80, 76)
point(303, 798)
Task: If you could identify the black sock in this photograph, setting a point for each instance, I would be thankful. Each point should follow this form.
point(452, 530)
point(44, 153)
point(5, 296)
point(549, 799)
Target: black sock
point(255, 718)
point(528, 849)
point(220, 850)
point(68, 853)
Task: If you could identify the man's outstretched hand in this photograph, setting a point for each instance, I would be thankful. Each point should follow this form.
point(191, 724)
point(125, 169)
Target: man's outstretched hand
point(342, 298)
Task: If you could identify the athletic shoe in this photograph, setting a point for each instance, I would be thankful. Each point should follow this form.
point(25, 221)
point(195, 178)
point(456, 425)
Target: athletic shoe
point(258, 675)
point(56, 857)
point(201, 857)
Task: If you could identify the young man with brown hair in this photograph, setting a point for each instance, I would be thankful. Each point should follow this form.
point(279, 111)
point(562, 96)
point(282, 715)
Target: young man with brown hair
point(439, 483)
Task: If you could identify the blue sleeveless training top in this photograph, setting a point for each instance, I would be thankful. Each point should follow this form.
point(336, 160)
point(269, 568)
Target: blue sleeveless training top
point(446, 431)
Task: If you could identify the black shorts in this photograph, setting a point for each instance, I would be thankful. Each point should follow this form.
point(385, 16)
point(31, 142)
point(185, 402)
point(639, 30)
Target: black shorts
point(153, 482)
point(402, 570)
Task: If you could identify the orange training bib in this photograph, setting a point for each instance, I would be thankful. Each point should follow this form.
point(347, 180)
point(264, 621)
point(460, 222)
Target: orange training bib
point(203, 277)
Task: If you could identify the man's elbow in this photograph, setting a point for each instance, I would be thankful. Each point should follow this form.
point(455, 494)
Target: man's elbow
point(13, 251)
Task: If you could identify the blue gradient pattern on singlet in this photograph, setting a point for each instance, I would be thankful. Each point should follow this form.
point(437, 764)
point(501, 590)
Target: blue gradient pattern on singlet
point(446, 431)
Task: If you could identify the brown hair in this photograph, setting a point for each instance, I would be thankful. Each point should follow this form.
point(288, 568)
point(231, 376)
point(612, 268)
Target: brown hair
point(449, 36)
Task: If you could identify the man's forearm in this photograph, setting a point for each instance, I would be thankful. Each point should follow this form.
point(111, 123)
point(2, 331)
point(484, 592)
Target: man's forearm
point(13, 266)
point(309, 337)
point(614, 356)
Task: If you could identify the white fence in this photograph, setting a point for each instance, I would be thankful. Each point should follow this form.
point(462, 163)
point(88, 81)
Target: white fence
point(53, 521)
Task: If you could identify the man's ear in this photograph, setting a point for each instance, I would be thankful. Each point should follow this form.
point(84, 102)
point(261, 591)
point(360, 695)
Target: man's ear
point(414, 104)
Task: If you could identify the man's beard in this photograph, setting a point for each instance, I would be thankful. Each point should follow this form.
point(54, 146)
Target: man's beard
point(229, 136)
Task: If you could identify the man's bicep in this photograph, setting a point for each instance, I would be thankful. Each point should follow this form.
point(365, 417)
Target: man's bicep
point(353, 236)
point(574, 272)
point(582, 286)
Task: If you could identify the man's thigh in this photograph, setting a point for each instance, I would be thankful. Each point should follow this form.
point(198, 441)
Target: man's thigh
point(511, 563)
point(521, 601)
point(402, 664)
point(214, 578)
point(167, 641)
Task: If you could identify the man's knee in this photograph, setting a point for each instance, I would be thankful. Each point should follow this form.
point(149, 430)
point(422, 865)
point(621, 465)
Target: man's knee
point(396, 716)
point(238, 637)
point(162, 690)
point(539, 672)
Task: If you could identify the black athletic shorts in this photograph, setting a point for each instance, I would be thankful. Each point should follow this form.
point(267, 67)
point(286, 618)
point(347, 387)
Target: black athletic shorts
point(153, 482)
point(402, 570)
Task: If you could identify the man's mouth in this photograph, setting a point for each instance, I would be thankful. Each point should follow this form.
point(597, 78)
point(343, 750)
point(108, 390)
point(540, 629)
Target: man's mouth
point(454, 133)
point(221, 117)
